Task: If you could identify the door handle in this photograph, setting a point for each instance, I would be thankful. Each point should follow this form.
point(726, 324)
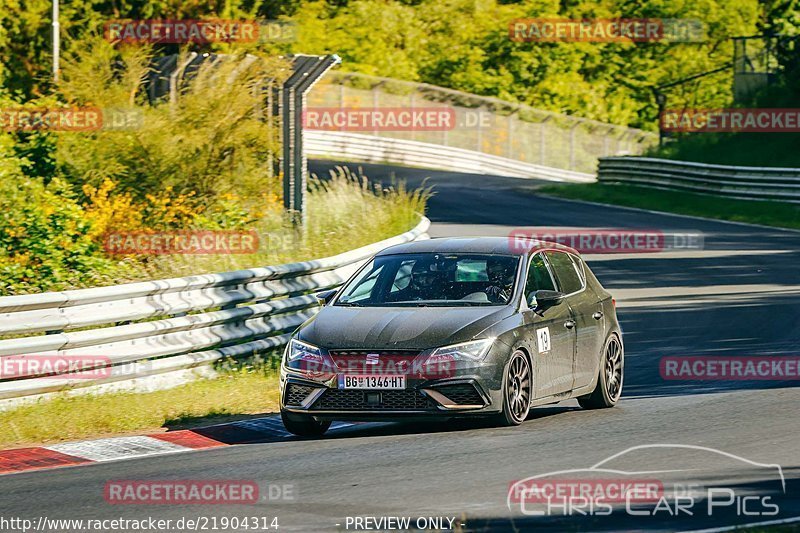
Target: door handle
point(569, 324)
point(598, 315)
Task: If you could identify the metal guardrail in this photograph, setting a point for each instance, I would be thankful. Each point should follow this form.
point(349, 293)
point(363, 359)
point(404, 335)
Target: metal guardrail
point(369, 149)
point(512, 131)
point(749, 183)
point(154, 328)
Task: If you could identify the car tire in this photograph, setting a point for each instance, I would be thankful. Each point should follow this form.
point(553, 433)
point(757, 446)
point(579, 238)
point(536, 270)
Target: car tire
point(304, 425)
point(517, 390)
point(609, 380)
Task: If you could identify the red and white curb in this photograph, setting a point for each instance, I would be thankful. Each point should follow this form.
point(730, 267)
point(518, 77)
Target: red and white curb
point(118, 448)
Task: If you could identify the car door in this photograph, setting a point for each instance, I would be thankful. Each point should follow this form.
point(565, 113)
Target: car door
point(583, 304)
point(552, 342)
point(591, 326)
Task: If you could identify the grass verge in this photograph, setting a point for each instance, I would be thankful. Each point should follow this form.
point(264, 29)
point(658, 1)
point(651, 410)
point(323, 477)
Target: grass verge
point(778, 214)
point(234, 394)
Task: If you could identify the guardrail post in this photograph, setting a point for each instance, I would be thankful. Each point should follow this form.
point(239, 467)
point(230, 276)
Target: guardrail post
point(307, 70)
point(173, 79)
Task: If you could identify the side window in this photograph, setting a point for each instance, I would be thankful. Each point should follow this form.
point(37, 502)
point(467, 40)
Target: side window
point(363, 285)
point(579, 266)
point(570, 278)
point(538, 277)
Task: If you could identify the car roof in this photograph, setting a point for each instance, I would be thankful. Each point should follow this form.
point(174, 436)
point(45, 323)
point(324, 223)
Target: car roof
point(478, 245)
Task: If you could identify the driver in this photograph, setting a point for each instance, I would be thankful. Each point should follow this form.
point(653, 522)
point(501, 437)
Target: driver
point(501, 280)
point(423, 281)
point(423, 285)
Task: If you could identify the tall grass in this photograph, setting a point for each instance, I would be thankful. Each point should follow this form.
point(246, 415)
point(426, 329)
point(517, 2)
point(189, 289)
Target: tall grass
point(345, 211)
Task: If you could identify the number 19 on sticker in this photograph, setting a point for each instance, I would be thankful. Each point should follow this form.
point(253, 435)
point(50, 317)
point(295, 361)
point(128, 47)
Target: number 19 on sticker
point(543, 339)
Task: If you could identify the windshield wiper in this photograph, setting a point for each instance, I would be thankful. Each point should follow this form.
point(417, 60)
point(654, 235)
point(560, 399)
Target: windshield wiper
point(349, 304)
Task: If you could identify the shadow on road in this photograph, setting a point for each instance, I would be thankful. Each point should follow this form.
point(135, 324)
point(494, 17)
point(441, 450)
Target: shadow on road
point(268, 428)
point(375, 429)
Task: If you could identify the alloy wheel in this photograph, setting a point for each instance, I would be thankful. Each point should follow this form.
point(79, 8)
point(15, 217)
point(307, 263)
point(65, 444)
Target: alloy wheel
point(518, 389)
point(613, 369)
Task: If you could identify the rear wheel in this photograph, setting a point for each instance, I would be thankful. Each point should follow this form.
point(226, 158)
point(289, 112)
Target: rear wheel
point(303, 425)
point(517, 390)
point(609, 380)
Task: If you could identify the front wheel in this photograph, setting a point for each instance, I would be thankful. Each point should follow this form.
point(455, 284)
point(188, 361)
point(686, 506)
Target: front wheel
point(517, 390)
point(303, 425)
point(609, 381)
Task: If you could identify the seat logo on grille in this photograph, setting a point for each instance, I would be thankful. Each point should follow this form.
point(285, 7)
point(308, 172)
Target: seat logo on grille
point(372, 359)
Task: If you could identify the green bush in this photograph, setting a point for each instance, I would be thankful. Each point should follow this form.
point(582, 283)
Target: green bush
point(45, 238)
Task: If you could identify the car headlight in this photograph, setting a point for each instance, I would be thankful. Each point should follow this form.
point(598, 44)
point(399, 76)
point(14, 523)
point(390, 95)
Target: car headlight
point(309, 360)
point(297, 350)
point(466, 351)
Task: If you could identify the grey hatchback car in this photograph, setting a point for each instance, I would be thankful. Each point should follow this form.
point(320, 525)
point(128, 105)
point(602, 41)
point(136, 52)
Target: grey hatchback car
point(455, 327)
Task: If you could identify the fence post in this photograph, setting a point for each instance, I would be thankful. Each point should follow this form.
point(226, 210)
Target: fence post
point(480, 136)
point(542, 138)
point(572, 146)
point(411, 105)
point(510, 133)
point(374, 107)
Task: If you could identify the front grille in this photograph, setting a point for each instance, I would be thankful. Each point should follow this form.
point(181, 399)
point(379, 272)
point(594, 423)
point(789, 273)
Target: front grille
point(295, 394)
point(461, 394)
point(407, 353)
point(355, 400)
point(373, 361)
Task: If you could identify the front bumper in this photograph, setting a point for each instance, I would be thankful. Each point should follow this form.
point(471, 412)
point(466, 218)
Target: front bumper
point(452, 397)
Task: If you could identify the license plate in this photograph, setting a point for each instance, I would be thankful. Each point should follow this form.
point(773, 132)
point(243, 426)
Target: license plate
point(373, 382)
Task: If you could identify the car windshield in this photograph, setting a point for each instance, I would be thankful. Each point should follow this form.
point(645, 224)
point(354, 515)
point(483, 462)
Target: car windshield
point(431, 279)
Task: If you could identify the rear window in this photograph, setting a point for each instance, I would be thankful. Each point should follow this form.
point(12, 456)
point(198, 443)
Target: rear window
point(568, 274)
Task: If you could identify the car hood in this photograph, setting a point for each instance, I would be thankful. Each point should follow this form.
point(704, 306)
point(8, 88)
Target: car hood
point(398, 328)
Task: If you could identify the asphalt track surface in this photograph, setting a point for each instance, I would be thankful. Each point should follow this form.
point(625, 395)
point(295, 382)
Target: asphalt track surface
point(739, 296)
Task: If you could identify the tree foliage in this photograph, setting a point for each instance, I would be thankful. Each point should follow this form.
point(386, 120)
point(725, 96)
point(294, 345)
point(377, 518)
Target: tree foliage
point(461, 44)
point(464, 44)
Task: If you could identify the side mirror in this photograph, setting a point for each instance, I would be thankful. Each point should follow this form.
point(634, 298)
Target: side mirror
point(543, 299)
point(325, 297)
